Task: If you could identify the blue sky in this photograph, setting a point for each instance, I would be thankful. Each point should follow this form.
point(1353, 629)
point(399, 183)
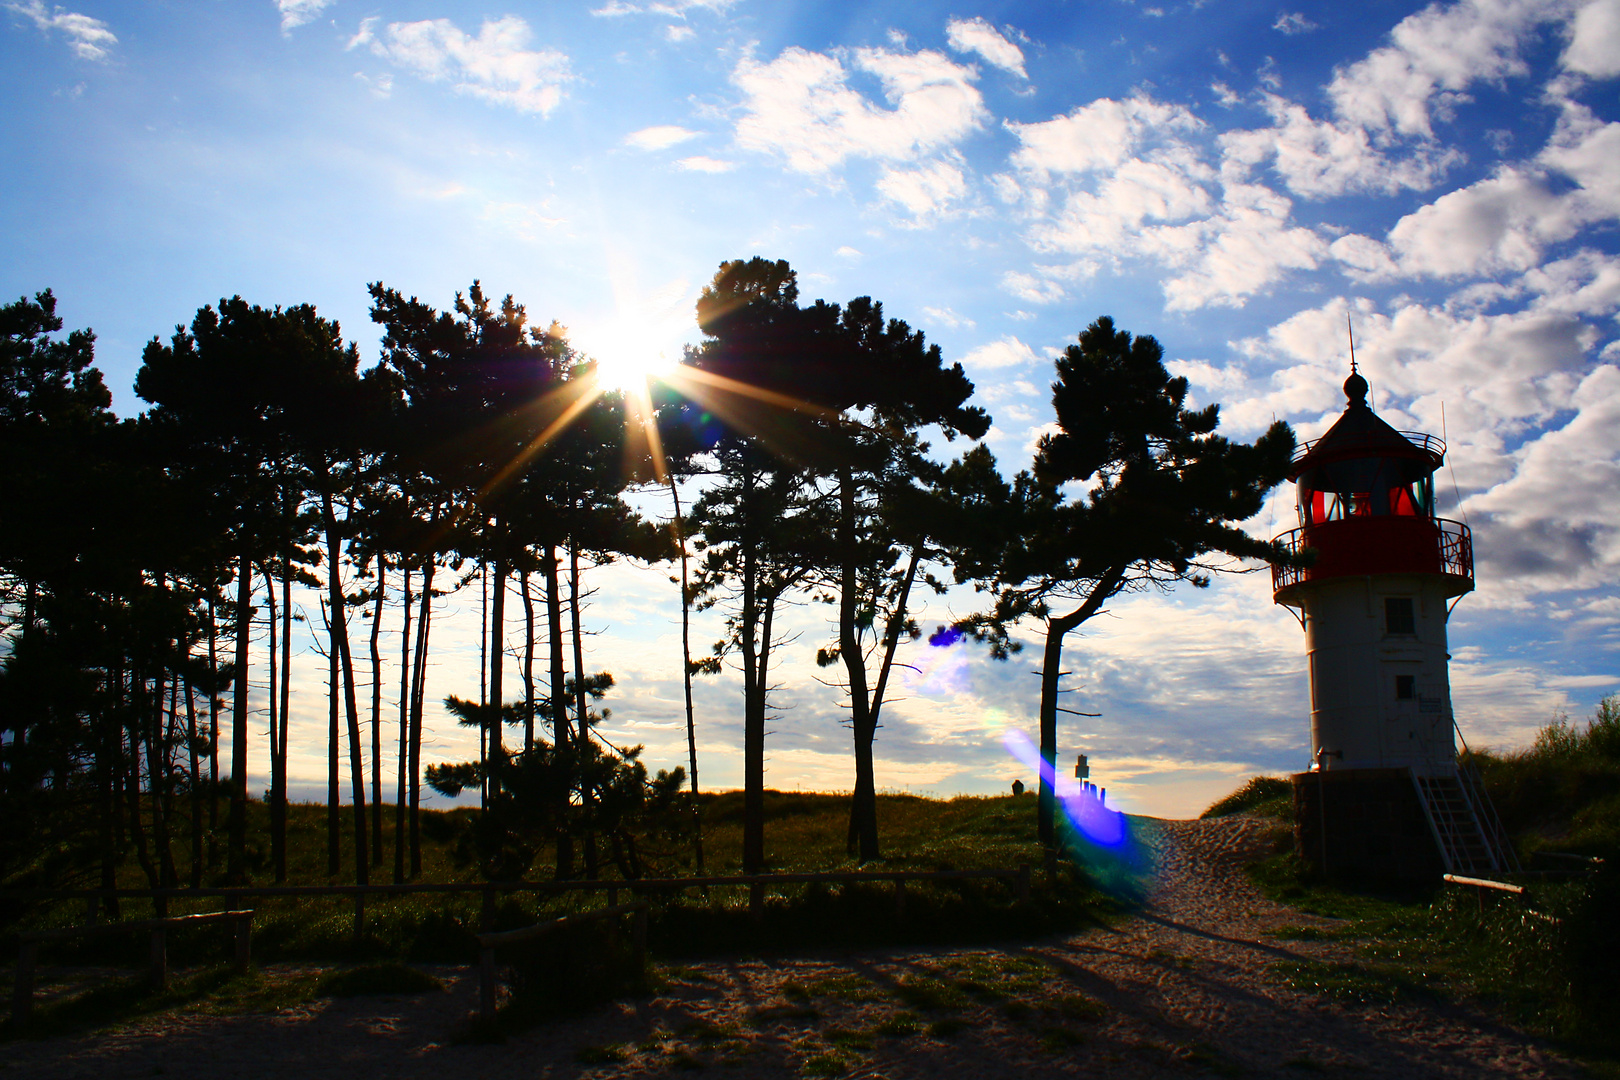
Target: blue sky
point(1235, 178)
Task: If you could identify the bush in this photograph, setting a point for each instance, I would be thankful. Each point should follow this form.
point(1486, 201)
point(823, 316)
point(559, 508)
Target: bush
point(1268, 796)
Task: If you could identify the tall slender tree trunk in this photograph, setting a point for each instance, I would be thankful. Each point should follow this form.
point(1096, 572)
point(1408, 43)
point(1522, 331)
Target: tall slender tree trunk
point(561, 740)
point(863, 805)
point(424, 625)
point(1051, 669)
point(528, 661)
point(286, 703)
point(278, 812)
point(582, 716)
point(497, 657)
point(334, 706)
point(405, 684)
point(483, 684)
point(679, 526)
point(213, 737)
point(109, 759)
point(376, 713)
point(340, 647)
point(196, 787)
point(891, 643)
point(236, 850)
point(753, 702)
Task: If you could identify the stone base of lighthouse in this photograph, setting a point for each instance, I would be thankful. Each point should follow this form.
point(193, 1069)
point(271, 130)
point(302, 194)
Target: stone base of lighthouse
point(1375, 825)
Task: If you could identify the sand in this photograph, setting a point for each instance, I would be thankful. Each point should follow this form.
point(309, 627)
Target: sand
point(1186, 987)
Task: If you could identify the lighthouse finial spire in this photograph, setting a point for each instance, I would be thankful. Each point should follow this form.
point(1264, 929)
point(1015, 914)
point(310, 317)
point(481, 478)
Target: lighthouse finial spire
point(1355, 387)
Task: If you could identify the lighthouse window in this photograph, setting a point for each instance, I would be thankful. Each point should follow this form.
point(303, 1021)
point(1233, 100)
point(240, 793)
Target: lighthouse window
point(1405, 687)
point(1398, 617)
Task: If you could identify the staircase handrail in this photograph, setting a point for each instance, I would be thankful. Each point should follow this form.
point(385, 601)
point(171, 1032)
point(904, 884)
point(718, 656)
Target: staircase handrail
point(1473, 783)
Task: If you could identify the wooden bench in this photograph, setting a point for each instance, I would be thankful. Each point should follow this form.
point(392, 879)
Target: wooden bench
point(22, 1001)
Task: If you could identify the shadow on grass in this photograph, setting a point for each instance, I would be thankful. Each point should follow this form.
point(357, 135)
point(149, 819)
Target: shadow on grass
point(216, 990)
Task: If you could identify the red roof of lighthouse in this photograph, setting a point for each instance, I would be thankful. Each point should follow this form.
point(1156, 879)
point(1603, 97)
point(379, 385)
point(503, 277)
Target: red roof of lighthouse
point(1359, 433)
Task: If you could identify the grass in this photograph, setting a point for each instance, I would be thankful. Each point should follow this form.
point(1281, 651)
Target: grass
point(805, 832)
point(1550, 978)
point(1268, 796)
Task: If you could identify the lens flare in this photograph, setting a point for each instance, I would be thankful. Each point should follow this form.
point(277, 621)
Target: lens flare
point(1095, 822)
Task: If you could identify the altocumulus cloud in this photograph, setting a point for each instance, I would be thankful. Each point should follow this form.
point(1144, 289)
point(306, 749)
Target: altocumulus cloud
point(497, 65)
point(295, 13)
point(801, 106)
point(90, 39)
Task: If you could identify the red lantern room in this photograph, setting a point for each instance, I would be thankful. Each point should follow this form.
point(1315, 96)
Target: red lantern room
point(1366, 505)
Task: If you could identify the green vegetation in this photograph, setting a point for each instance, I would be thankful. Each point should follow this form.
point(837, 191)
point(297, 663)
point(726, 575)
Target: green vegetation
point(807, 833)
point(1563, 793)
point(1547, 962)
point(1268, 796)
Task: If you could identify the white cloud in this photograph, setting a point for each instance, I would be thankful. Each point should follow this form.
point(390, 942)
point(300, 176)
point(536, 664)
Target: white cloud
point(847, 252)
point(672, 8)
point(945, 316)
point(496, 66)
point(1556, 522)
point(801, 107)
point(1006, 353)
point(677, 32)
point(1097, 136)
point(1499, 224)
point(295, 13)
point(1587, 150)
point(1293, 22)
point(90, 39)
point(1364, 258)
point(703, 164)
point(1492, 377)
point(978, 36)
point(1241, 251)
point(660, 137)
point(1433, 57)
point(1045, 285)
point(924, 192)
point(1316, 158)
point(1594, 45)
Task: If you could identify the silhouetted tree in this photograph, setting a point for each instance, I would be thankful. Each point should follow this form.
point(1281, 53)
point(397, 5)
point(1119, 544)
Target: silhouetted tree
point(1163, 493)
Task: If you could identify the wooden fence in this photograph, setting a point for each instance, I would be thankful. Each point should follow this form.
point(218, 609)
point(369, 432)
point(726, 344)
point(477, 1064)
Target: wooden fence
point(22, 1001)
point(757, 885)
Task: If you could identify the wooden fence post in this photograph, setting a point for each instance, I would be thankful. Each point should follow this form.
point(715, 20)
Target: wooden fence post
point(22, 993)
point(756, 901)
point(160, 961)
point(900, 898)
point(638, 938)
point(1023, 883)
point(359, 917)
point(486, 985)
point(486, 917)
point(244, 943)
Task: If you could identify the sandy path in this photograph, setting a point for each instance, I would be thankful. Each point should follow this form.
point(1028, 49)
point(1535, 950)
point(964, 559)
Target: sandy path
point(1182, 989)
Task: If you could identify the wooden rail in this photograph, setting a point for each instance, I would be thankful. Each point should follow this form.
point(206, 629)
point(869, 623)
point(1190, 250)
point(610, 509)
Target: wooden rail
point(487, 944)
point(22, 1001)
point(1020, 875)
point(1485, 883)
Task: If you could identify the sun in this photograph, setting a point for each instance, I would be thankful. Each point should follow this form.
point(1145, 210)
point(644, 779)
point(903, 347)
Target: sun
point(630, 366)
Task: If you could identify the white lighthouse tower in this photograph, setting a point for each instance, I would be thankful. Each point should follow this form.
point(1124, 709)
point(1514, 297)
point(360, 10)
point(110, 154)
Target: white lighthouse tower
point(1384, 795)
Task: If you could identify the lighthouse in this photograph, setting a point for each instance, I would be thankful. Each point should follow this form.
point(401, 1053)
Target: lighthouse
point(1384, 795)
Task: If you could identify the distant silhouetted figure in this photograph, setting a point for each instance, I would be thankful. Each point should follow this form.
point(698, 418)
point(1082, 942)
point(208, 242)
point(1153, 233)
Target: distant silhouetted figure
point(1018, 787)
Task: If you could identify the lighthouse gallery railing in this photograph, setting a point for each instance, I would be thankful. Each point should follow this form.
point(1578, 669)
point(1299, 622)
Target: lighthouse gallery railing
point(1455, 549)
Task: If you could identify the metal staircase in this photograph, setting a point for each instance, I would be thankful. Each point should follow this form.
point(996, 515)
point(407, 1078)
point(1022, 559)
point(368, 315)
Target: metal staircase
point(1464, 823)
